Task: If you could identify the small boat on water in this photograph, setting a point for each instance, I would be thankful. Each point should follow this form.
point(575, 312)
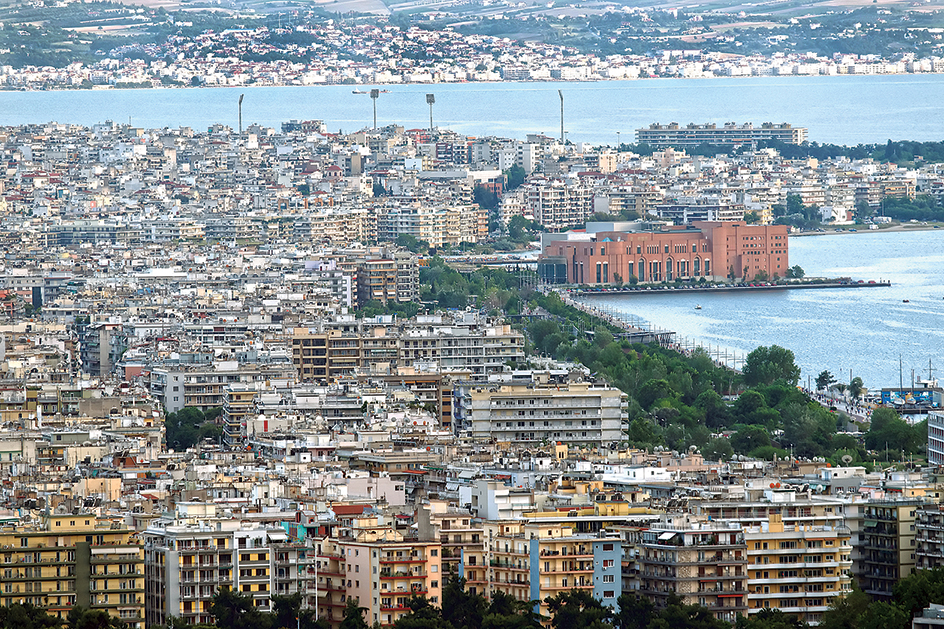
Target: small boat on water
point(358, 92)
point(905, 301)
point(697, 306)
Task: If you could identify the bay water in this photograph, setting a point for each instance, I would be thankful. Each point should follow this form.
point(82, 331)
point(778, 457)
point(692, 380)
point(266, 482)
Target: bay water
point(859, 330)
point(836, 109)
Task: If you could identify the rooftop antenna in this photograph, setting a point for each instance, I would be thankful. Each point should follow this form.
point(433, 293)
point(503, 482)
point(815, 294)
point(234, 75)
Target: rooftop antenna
point(241, 113)
point(561, 94)
point(430, 100)
point(374, 94)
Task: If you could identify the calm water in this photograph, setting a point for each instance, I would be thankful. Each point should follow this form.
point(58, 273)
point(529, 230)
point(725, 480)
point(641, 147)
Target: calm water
point(837, 109)
point(865, 330)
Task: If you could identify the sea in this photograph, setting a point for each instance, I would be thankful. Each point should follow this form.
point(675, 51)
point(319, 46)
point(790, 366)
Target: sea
point(835, 109)
point(886, 336)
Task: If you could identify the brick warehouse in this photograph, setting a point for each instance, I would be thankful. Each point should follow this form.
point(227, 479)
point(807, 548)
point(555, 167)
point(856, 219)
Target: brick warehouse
point(710, 250)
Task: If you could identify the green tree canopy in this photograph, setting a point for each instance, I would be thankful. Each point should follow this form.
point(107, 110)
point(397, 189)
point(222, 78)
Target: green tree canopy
point(766, 365)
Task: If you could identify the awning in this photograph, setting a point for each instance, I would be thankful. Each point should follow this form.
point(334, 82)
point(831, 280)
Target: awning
point(666, 536)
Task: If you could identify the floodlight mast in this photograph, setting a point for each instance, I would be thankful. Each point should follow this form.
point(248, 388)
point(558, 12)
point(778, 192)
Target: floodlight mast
point(374, 95)
point(431, 99)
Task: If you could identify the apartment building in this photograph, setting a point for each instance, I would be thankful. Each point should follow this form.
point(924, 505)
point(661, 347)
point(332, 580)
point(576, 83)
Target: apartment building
point(691, 135)
point(798, 569)
point(188, 558)
point(929, 537)
point(558, 204)
point(889, 545)
point(199, 379)
point(393, 278)
point(456, 529)
point(703, 563)
point(532, 561)
point(465, 343)
point(74, 560)
point(935, 438)
point(574, 413)
point(382, 571)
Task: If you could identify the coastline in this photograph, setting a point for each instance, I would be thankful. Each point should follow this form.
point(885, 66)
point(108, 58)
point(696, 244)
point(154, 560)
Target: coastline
point(112, 87)
point(863, 229)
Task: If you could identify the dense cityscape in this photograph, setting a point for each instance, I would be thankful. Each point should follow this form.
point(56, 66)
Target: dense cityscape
point(283, 377)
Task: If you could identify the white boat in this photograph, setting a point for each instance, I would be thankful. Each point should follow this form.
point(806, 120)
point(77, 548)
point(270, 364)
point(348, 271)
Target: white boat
point(697, 306)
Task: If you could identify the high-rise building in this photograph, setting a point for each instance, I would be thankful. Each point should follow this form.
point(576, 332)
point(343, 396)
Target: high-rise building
point(74, 560)
point(798, 569)
point(703, 563)
point(534, 561)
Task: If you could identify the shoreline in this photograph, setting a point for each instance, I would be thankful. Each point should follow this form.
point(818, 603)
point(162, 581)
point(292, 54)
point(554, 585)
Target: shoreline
point(648, 290)
point(846, 230)
point(112, 87)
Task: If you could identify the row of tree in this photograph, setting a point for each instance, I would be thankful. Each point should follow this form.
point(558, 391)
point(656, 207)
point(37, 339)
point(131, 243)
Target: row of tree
point(678, 400)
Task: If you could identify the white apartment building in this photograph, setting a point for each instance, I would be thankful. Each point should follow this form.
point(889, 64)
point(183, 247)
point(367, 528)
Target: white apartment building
point(574, 413)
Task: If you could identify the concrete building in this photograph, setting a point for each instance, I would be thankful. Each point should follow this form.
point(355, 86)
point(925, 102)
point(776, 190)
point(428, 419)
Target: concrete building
point(702, 563)
point(531, 562)
point(575, 413)
point(691, 135)
point(74, 560)
point(189, 558)
point(798, 569)
point(889, 546)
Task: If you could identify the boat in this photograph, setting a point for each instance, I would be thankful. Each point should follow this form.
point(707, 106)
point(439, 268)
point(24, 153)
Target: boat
point(697, 306)
point(358, 92)
point(904, 301)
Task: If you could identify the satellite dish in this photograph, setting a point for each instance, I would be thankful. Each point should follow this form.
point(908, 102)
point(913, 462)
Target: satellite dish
point(847, 458)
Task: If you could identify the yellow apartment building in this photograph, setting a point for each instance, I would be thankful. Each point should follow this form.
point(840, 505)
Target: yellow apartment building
point(74, 560)
point(798, 569)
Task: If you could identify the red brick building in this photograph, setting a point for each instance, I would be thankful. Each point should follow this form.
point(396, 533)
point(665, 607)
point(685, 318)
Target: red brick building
point(713, 250)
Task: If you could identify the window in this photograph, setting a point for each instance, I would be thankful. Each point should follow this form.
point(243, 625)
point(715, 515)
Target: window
point(607, 563)
point(608, 594)
point(609, 578)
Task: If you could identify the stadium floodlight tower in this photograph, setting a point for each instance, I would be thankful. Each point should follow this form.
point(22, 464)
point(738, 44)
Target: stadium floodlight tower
point(561, 94)
point(374, 95)
point(431, 100)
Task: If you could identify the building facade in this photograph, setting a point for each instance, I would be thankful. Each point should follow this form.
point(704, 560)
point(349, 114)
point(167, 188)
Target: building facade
point(691, 135)
point(575, 413)
point(710, 250)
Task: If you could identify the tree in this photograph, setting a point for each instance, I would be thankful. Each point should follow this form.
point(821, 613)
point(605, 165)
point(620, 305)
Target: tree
point(748, 438)
point(635, 612)
point(461, 609)
point(484, 197)
point(889, 432)
point(578, 609)
point(82, 618)
point(422, 615)
point(770, 619)
point(233, 610)
point(27, 616)
point(717, 412)
point(920, 589)
point(412, 243)
point(514, 177)
point(796, 272)
point(823, 380)
point(856, 386)
point(353, 615)
point(765, 365)
point(718, 449)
